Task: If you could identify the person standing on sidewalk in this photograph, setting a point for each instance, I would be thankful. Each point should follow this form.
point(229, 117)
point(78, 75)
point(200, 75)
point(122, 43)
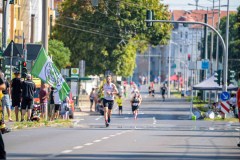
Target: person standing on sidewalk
point(16, 93)
point(43, 96)
point(110, 90)
point(2, 147)
point(119, 101)
point(92, 99)
point(28, 88)
point(6, 99)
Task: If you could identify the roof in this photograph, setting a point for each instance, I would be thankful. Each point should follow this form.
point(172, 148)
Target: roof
point(209, 84)
point(198, 15)
point(32, 50)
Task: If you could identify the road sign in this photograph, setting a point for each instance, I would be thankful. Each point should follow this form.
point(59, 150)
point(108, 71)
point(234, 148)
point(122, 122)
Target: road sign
point(225, 107)
point(225, 96)
point(205, 64)
point(74, 72)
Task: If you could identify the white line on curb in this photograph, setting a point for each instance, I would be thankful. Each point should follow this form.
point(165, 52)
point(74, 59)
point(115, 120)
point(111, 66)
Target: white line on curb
point(66, 151)
point(77, 147)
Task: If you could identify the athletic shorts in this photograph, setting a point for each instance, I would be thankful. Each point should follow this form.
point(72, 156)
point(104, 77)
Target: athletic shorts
point(135, 108)
point(57, 107)
point(27, 103)
point(108, 103)
point(16, 101)
point(120, 108)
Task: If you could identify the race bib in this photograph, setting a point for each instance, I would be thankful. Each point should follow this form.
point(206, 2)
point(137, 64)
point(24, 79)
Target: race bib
point(135, 104)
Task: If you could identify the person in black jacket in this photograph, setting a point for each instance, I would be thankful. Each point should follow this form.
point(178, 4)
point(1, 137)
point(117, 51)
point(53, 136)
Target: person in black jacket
point(16, 93)
point(28, 88)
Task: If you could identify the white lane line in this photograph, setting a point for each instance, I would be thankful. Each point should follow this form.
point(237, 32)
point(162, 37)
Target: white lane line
point(88, 144)
point(112, 135)
point(105, 137)
point(126, 118)
point(98, 118)
point(66, 151)
point(77, 147)
point(118, 133)
point(154, 120)
point(98, 140)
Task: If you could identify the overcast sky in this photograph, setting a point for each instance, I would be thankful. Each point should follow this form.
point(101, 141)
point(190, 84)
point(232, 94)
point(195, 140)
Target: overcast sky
point(183, 4)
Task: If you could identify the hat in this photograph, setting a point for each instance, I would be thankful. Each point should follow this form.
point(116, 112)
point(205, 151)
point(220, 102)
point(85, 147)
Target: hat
point(28, 76)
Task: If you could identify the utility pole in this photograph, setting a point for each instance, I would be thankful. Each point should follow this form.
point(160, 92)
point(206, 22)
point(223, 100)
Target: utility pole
point(32, 28)
point(45, 24)
point(4, 23)
point(205, 40)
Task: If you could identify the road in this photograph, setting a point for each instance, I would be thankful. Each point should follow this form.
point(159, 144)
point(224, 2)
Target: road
point(162, 131)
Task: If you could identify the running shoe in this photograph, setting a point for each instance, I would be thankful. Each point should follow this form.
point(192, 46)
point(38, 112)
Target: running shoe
point(107, 124)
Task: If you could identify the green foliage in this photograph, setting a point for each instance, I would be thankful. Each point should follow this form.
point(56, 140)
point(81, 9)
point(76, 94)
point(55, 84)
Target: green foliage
point(60, 54)
point(108, 37)
point(234, 40)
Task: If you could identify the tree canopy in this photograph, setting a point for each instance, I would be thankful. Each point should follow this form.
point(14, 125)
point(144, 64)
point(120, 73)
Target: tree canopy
point(108, 36)
point(59, 53)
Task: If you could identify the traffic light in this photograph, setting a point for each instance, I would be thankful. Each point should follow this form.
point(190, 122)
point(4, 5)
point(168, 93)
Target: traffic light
point(231, 77)
point(149, 16)
point(189, 57)
point(217, 77)
point(24, 69)
point(11, 2)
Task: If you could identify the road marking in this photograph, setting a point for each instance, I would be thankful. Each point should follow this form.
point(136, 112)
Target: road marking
point(112, 135)
point(77, 147)
point(126, 118)
point(66, 151)
point(98, 118)
point(88, 144)
point(105, 137)
point(98, 140)
point(154, 120)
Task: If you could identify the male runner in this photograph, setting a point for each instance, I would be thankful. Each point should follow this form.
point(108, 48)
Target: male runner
point(109, 90)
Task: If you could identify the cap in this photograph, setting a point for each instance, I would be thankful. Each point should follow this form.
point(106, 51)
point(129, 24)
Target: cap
point(28, 76)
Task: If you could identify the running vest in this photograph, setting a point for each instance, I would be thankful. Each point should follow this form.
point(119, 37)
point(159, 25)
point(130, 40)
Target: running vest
point(135, 101)
point(108, 88)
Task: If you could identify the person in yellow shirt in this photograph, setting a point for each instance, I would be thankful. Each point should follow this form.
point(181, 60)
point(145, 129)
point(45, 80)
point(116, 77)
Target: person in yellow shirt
point(119, 103)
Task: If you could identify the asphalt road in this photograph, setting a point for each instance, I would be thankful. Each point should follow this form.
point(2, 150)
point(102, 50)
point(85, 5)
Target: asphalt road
point(162, 131)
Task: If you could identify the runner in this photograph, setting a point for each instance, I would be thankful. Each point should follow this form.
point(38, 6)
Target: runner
point(135, 103)
point(109, 90)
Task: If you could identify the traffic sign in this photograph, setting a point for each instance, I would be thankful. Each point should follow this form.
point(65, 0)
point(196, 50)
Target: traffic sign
point(225, 96)
point(205, 64)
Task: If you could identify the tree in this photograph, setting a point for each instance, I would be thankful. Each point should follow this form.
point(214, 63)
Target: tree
point(59, 53)
point(234, 40)
point(109, 36)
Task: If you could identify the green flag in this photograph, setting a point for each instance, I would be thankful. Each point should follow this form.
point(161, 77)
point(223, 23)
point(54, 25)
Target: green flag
point(45, 69)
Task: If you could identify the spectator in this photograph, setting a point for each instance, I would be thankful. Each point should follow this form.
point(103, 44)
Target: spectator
point(28, 88)
point(92, 97)
point(233, 103)
point(43, 96)
point(2, 147)
point(65, 108)
point(57, 104)
point(51, 105)
point(6, 99)
point(119, 102)
point(16, 93)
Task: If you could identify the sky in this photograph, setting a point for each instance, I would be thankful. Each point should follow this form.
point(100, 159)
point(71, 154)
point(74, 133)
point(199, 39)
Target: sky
point(183, 4)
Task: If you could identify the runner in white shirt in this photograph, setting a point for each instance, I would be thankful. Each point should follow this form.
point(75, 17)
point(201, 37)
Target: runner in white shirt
point(110, 90)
